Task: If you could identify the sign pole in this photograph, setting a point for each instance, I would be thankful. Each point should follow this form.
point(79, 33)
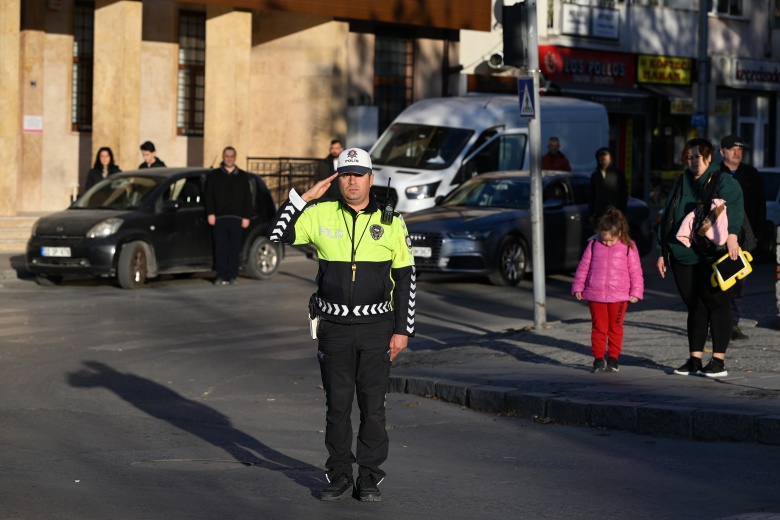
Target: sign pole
point(535, 146)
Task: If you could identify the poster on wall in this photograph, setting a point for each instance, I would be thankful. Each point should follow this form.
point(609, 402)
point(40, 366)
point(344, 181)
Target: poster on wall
point(32, 125)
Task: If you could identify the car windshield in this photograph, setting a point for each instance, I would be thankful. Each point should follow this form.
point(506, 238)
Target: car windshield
point(771, 184)
point(117, 193)
point(420, 146)
point(492, 193)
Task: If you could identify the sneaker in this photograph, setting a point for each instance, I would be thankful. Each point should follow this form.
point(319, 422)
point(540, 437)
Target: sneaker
point(715, 368)
point(367, 490)
point(598, 365)
point(233, 281)
point(690, 368)
point(612, 365)
point(339, 488)
point(220, 281)
point(738, 335)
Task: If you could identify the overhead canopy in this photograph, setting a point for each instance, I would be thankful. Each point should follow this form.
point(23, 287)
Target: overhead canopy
point(447, 14)
point(616, 99)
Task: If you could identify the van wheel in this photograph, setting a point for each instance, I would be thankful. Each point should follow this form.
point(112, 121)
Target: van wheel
point(132, 267)
point(262, 262)
point(512, 262)
point(48, 280)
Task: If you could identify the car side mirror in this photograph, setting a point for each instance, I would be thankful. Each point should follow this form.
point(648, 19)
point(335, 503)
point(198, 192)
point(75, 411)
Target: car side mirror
point(553, 204)
point(438, 200)
point(170, 205)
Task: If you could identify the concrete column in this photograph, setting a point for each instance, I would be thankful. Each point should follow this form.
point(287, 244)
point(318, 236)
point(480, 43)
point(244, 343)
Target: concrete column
point(116, 104)
point(32, 46)
point(228, 51)
point(10, 125)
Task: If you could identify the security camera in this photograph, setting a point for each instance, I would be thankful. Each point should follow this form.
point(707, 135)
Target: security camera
point(496, 60)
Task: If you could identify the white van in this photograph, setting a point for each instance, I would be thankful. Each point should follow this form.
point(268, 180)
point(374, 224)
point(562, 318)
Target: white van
point(436, 144)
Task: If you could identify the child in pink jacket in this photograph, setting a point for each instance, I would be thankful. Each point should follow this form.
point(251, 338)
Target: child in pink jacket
point(608, 278)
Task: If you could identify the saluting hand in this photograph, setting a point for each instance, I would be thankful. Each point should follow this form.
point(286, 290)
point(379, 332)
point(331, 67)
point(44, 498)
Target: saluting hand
point(319, 189)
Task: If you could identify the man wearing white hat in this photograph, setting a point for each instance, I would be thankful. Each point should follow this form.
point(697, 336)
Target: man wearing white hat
point(365, 303)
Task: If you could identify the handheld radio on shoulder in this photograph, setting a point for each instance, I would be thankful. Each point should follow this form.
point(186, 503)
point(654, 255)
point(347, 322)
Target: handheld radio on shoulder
point(387, 213)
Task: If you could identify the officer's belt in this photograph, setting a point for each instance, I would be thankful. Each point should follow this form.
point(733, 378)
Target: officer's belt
point(338, 309)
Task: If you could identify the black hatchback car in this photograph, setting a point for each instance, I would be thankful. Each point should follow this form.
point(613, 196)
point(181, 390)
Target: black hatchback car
point(484, 226)
point(140, 224)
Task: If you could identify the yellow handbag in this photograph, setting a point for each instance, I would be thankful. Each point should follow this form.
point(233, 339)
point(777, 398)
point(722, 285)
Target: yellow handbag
point(726, 271)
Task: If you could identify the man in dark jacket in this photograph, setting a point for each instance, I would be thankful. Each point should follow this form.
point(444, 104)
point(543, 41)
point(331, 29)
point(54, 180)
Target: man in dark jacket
point(149, 154)
point(755, 211)
point(327, 167)
point(228, 208)
point(607, 187)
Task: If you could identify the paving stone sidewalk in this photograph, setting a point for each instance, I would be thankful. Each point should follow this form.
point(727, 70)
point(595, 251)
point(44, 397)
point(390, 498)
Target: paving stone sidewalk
point(546, 375)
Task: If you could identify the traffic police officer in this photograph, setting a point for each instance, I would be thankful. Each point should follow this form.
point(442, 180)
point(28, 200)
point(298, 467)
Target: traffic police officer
point(365, 302)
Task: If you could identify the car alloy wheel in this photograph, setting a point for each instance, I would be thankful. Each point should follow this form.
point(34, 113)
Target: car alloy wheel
point(263, 259)
point(132, 267)
point(512, 262)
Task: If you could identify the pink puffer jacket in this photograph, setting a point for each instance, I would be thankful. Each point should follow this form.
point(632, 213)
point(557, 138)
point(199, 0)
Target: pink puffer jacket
point(609, 274)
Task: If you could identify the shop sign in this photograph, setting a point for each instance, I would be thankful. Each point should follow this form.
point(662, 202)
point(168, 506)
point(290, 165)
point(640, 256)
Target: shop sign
point(564, 64)
point(664, 70)
point(594, 22)
point(683, 106)
point(722, 107)
point(752, 74)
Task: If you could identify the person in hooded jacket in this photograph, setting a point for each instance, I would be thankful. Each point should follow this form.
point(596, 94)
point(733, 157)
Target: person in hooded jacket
point(609, 277)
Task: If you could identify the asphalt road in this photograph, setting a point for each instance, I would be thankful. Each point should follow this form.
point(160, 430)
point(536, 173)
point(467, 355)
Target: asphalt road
point(184, 400)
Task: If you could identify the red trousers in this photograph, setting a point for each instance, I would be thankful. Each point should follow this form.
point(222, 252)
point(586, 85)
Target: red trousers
point(607, 325)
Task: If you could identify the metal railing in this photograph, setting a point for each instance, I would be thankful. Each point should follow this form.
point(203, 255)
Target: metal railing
point(281, 174)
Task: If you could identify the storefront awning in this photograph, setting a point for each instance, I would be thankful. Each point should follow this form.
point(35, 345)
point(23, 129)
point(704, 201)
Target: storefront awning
point(668, 91)
point(445, 14)
point(617, 99)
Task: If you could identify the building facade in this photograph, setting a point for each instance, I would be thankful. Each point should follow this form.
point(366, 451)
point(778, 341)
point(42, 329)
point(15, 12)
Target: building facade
point(662, 78)
point(273, 78)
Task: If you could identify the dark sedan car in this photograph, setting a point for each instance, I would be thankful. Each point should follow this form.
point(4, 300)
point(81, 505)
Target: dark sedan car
point(140, 224)
point(484, 226)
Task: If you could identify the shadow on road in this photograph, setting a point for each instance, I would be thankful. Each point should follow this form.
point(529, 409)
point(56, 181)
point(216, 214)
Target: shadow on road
point(195, 418)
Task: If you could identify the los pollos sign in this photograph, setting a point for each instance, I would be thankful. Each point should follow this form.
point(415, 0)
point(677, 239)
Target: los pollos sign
point(563, 64)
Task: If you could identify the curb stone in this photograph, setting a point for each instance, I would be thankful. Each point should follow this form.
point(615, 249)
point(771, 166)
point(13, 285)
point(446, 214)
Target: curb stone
point(653, 419)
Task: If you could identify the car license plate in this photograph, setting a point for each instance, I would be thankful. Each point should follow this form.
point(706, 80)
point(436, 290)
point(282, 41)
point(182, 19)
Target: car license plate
point(422, 252)
point(55, 251)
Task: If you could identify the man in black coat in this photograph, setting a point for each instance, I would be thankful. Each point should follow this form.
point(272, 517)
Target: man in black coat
point(754, 196)
point(327, 167)
point(228, 202)
point(607, 187)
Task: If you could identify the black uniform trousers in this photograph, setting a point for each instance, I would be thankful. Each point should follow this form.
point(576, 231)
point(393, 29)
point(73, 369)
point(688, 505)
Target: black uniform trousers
point(355, 359)
point(708, 306)
point(227, 247)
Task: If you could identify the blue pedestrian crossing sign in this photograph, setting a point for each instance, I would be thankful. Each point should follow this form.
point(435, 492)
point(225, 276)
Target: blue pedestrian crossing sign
point(525, 91)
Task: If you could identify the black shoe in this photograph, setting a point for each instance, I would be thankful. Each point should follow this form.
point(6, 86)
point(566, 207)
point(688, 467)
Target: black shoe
point(715, 368)
point(598, 365)
point(612, 365)
point(738, 335)
point(367, 490)
point(690, 368)
point(338, 489)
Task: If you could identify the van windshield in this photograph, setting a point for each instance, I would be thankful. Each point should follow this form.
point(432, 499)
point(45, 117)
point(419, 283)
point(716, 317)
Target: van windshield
point(420, 146)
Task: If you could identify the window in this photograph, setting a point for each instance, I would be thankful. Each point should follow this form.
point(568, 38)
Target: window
point(393, 76)
point(83, 59)
point(192, 78)
point(728, 7)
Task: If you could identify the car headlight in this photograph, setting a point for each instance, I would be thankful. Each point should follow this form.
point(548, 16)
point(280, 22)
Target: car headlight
point(105, 228)
point(470, 235)
point(424, 191)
